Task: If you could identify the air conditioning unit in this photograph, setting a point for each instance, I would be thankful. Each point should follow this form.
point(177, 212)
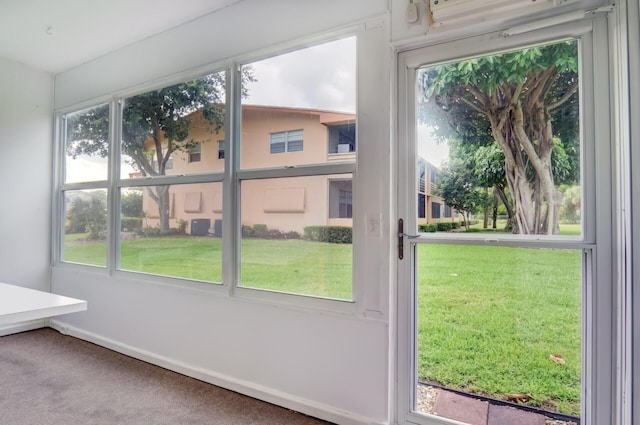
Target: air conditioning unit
point(344, 148)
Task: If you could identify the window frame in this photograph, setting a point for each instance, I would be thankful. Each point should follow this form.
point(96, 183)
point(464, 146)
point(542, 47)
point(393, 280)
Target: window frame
point(231, 177)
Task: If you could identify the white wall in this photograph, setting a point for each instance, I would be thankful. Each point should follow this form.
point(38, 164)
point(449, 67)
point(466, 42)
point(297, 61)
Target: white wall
point(323, 363)
point(25, 175)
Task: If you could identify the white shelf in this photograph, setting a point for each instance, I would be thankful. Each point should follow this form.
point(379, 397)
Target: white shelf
point(18, 304)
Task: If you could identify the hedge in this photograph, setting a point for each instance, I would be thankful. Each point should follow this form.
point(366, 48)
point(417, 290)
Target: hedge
point(331, 234)
point(131, 224)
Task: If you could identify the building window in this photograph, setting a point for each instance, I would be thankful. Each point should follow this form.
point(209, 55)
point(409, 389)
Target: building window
point(195, 152)
point(342, 138)
point(435, 210)
point(447, 211)
point(286, 141)
point(421, 205)
point(340, 199)
point(220, 149)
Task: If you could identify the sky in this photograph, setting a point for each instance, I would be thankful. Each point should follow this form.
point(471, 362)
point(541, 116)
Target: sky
point(318, 77)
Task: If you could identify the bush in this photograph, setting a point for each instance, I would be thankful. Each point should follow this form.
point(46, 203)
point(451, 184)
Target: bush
point(429, 228)
point(292, 235)
point(455, 225)
point(260, 231)
point(331, 234)
point(131, 224)
point(444, 227)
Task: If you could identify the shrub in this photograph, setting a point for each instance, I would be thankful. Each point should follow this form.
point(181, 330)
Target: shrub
point(331, 234)
point(292, 235)
point(455, 225)
point(131, 224)
point(260, 231)
point(429, 228)
point(444, 227)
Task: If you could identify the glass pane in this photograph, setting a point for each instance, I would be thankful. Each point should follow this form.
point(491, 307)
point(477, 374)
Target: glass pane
point(162, 129)
point(296, 235)
point(498, 143)
point(299, 107)
point(499, 323)
point(173, 231)
point(85, 229)
point(87, 145)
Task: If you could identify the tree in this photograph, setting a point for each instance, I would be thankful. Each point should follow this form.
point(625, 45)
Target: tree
point(131, 205)
point(457, 188)
point(513, 99)
point(88, 215)
point(155, 125)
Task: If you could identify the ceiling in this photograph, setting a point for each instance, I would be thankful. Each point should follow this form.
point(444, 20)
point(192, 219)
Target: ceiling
point(55, 35)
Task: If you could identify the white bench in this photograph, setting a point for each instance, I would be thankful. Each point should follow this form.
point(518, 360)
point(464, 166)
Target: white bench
point(18, 304)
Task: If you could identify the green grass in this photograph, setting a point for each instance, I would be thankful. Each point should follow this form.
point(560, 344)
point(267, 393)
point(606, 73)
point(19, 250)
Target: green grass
point(489, 317)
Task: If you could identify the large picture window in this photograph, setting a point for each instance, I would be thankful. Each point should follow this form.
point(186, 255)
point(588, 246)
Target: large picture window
point(158, 202)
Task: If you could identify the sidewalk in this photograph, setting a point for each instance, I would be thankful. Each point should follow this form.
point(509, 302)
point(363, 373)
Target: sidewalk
point(473, 411)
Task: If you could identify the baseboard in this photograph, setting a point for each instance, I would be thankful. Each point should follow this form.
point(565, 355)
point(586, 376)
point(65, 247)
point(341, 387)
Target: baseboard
point(269, 395)
point(22, 327)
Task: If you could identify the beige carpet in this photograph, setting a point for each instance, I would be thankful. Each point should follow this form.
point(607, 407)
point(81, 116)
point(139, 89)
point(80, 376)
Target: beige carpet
point(48, 379)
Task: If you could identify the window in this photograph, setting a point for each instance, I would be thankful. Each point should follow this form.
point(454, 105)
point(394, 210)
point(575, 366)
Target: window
point(166, 203)
point(340, 199)
point(421, 205)
point(195, 152)
point(435, 210)
point(83, 195)
point(342, 137)
point(447, 211)
point(296, 221)
point(286, 141)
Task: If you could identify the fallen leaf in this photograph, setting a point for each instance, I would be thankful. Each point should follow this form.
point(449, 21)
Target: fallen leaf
point(518, 397)
point(557, 358)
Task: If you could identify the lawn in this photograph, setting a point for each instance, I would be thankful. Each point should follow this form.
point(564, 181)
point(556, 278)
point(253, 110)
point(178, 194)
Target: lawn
point(489, 317)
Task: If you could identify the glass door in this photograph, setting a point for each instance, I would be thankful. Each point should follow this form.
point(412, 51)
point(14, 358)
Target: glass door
point(498, 237)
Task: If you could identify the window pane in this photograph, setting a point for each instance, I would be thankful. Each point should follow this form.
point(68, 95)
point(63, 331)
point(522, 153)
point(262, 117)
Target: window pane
point(290, 240)
point(175, 130)
point(85, 229)
point(87, 145)
point(298, 97)
point(173, 231)
point(488, 156)
point(499, 322)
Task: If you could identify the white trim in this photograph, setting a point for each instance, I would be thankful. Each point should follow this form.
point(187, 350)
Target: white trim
point(23, 327)
point(269, 395)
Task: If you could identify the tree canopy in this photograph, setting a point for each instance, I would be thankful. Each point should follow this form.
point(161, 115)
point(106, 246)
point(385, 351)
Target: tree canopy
point(155, 124)
point(524, 102)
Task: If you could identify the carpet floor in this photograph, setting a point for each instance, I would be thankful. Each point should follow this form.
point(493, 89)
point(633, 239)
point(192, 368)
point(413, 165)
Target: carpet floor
point(47, 378)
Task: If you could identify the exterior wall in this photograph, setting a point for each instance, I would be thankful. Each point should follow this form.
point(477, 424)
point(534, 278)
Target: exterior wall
point(284, 204)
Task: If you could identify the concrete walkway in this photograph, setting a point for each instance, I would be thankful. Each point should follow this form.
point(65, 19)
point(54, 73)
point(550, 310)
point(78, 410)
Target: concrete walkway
point(478, 412)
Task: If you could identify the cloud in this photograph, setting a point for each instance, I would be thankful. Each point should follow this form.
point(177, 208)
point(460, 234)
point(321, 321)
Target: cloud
point(318, 77)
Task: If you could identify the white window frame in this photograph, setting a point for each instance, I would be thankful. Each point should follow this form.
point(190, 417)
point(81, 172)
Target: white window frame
point(598, 239)
point(231, 177)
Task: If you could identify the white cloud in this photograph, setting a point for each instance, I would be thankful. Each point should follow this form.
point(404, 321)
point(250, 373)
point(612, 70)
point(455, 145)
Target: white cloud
point(319, 77)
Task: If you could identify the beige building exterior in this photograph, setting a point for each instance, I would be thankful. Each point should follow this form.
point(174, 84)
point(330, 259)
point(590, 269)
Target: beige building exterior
point(276, 137)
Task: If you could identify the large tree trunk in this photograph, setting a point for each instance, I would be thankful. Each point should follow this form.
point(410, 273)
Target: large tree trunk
point(160, 195)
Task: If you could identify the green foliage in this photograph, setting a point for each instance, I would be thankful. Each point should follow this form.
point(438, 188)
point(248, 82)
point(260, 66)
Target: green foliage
point(571, 202)
point(88, 214)
point(131, 224)
point(428, 228)
point(261, 231)
point(457, 186)
point(444, 226)
point(331, 234)
point(131, 204)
